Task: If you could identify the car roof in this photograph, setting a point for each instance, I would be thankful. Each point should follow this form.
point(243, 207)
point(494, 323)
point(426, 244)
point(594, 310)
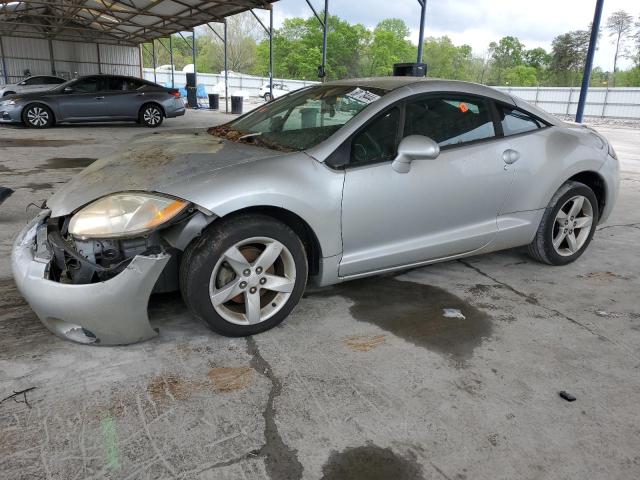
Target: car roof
point(422, 84)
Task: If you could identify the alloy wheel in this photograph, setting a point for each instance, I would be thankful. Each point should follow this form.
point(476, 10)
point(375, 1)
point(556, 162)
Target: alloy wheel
point(252, 281)
point(572, 225)
point(38, 116)
point(152, 116)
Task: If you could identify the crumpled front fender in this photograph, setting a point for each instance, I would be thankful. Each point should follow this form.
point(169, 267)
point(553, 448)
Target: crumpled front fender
point(112, 312)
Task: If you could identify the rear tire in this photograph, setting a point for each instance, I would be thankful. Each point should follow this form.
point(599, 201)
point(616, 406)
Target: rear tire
point(151, 115)
point(244, 274)
point(37, 115)
point(567, 226)
point(268, 97)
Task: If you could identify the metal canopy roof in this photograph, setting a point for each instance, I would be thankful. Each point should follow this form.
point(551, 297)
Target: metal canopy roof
point(114, 21)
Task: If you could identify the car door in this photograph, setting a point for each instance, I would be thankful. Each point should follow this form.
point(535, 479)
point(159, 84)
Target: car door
point(525, 138)
point(34, 84)
point(84, 99)
point(440, 207)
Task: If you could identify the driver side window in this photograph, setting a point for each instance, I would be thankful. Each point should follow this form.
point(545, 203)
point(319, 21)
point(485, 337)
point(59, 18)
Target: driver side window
point(87, 85)
point(378, 141)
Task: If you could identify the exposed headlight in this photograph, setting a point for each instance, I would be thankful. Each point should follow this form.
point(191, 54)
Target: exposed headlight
point(124, 214)
point(6, 103)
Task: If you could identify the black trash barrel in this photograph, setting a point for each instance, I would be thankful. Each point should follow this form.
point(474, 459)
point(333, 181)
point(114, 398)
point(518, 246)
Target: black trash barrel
point(214, 101)
point(236, 105)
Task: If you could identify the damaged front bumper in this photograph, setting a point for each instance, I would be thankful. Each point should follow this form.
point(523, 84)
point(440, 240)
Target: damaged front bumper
point(110, 312)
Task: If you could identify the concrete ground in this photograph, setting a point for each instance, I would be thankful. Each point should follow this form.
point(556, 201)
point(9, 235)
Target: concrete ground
point(366, 380)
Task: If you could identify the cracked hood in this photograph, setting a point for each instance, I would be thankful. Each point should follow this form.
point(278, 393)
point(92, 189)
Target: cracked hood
point(155, 163)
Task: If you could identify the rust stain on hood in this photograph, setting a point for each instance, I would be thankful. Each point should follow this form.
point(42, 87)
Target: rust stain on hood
point(151, 163)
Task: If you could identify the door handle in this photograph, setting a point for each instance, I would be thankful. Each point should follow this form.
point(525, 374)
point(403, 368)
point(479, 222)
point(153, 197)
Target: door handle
point(510, 156)
point(99, 98)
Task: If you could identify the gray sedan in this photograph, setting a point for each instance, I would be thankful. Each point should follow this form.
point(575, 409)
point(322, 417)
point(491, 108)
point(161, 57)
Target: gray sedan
point(329, 183)
point(97, 98)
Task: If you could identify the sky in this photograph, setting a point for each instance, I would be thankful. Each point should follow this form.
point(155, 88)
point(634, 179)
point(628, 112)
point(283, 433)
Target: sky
point(478, 22)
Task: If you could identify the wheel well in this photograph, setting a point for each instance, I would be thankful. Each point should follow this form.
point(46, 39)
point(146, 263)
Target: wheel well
point(53, 114)
point(298, 225)
point(156, 104)
point(596, 183)
point(8, 93)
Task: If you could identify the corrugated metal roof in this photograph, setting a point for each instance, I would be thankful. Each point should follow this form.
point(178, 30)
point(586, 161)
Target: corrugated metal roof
point(117, 21)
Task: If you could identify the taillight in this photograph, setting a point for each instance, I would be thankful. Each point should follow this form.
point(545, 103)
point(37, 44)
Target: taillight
point(175, 93)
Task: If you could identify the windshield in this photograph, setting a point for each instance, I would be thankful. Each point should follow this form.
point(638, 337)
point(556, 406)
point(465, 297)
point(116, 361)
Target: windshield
point(300, 120)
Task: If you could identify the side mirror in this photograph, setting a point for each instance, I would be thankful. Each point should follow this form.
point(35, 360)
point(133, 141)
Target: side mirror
point(68, 89)
point(414, 147)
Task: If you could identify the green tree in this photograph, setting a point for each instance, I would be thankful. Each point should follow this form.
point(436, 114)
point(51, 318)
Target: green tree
point(521, 76)
point(388, 46)
point(568, 55)
point(505, 54)
point(620, 26)
point(297, 47)
point(446, 60)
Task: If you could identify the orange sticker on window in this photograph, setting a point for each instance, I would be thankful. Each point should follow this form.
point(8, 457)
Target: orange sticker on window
point(463, 107)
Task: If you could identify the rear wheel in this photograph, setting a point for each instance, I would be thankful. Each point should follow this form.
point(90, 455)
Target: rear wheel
point(268, 97)
point(244, 275)
point(567, 226)
point(37, 116)
point(151, 115)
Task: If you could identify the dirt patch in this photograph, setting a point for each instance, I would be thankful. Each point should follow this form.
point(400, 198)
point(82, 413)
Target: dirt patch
point(69, 162)
point(602, 276)
point(370, 463)
point(230, 379)
point(166, 387)
point(414, 312)
point(364, 343)
point(39, 142)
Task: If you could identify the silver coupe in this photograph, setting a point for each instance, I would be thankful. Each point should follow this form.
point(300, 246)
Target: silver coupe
point(329, 183)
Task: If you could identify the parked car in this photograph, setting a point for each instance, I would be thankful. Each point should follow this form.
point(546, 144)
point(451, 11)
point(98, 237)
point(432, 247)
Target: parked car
point(279, 89)
point(95, 98)
point(31, 84)
point(303, 190)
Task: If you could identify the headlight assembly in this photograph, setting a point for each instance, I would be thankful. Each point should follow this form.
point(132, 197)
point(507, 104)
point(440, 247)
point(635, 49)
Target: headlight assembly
point(124, 214)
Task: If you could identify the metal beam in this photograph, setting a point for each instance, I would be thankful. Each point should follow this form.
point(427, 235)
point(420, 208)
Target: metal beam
point(271, 53)
point(322, 68)
point(586, 76)
point(153, 57)
point(4, 63)
point(100, 60)
point(423, 11)
point(193, 55)
point(173, 83)
point(226, 70)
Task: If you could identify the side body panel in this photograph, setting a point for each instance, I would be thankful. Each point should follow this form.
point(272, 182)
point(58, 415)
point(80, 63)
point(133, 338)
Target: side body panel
point(293, 182)
point(440, 208)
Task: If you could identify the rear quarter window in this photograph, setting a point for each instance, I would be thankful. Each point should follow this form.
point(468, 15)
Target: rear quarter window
point(516, 121)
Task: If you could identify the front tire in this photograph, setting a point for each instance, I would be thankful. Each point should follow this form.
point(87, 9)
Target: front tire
point(37, 115)
point(567, 226)
point(244, 274)
point(268, 97)
point(151, 116)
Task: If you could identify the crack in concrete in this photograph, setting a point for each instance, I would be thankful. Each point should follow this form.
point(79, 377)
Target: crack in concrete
point(629, 225)
point(534, 301)
point(281, 462)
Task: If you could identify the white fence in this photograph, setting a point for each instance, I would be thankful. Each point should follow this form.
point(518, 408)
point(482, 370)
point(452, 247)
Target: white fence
point(623, 103)
point(214, 83)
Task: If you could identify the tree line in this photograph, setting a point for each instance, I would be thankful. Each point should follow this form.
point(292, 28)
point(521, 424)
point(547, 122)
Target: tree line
point(356, 51)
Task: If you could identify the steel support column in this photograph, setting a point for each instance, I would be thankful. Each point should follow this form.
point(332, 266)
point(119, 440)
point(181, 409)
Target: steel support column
point(4, 63)
point(423, 11)
point(51, 59)
point(226, 71)
point(586, 76)
point(322, 69)
point(193, 55)
point(271, 52)
point(153, 57)
point(100, 60)
point(173, 83)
